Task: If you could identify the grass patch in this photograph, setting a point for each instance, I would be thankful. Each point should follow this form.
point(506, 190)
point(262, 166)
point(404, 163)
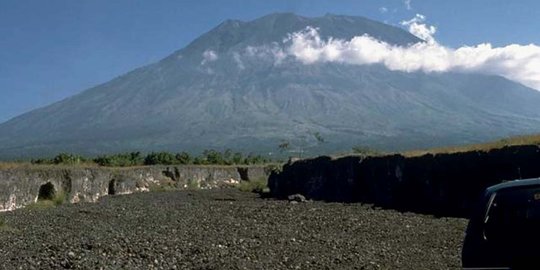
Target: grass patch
point(13, 165)
point(256, 186)
point(41, 204)
point(512, 141)
point(483, 147)
point(193, 184)
point(57, 200)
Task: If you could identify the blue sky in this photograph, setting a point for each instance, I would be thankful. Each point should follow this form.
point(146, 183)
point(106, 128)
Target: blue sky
point(52, 49)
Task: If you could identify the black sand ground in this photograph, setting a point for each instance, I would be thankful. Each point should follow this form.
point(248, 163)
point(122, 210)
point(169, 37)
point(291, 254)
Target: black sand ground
point(225, 229)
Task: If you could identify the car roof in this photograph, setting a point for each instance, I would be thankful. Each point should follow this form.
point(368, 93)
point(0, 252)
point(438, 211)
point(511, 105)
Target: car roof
point(513, 184)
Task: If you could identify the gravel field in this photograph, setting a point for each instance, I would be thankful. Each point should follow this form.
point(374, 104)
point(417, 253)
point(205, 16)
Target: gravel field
point(225, 229)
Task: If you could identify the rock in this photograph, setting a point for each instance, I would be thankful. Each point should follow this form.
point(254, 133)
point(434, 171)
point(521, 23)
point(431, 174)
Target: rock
point(297, 198)
point(71, 254)
point(193, 230)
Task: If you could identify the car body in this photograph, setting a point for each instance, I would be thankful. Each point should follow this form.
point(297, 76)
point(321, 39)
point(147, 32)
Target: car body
point(504, 230)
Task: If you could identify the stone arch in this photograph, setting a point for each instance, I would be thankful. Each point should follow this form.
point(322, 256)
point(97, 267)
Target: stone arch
point(112, 187)
point(46, 192)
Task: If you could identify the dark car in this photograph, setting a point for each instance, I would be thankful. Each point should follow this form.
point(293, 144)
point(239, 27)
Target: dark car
point(504, 230)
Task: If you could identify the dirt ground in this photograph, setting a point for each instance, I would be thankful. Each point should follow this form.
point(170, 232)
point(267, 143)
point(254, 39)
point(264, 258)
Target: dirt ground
point(225, 229)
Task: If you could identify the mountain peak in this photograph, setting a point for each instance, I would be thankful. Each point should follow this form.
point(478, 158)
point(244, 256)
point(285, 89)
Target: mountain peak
point(280, 15)
point(275, 27)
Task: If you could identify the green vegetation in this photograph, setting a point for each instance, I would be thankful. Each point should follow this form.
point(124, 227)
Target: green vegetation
point(161, 158)
point(2, 222)
point(56, 200)
point(256, 186)
point(59, 198)
point(120, 160)
point(208, 157)
point(193, 184)
point(213, 157)
point(62, 158)
point(41, 204)
point(183, 158)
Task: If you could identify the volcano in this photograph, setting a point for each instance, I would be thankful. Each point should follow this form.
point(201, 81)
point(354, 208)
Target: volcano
point(233, 88)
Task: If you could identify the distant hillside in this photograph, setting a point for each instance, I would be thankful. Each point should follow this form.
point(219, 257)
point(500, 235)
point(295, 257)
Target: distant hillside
point(224, 90)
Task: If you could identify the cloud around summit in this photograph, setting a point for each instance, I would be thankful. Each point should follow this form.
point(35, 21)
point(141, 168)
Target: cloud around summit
point(516, 62)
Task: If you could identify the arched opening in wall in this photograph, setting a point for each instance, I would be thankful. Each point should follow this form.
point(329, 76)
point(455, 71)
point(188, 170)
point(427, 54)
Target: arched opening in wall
point(46, 192)
point(243, 172)
point(112, 187)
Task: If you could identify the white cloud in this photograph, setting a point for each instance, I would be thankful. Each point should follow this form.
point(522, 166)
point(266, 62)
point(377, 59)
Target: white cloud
point(520, 63)
point(419, 29)
point(209, 56)
point(383, 9)
point(407, 4)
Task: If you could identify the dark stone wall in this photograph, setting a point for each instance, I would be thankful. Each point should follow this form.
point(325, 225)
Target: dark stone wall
point(442, 184)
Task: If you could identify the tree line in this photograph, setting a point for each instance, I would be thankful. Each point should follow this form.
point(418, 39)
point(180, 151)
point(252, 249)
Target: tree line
point(208, 157)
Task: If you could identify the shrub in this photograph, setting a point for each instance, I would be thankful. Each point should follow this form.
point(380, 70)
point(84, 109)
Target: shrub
point(213, 157)
point(255, 159)
point(237, 158)
point(42, 161)
point(208, 157)
point(193, 184)
point(256, 186)
point(120, 160)
point(59, 198)
point(68, 159)
point(161, 158)
point(183, 158)
point(199, 161)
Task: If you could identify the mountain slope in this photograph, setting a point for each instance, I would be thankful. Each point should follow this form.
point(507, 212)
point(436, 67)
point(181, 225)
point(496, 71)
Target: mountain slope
point(230, 89)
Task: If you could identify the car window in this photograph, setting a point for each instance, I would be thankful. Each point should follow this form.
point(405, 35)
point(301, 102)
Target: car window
point(513, 215)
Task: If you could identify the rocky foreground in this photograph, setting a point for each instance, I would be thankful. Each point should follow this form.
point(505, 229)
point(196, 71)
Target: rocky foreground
point(225, 229)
